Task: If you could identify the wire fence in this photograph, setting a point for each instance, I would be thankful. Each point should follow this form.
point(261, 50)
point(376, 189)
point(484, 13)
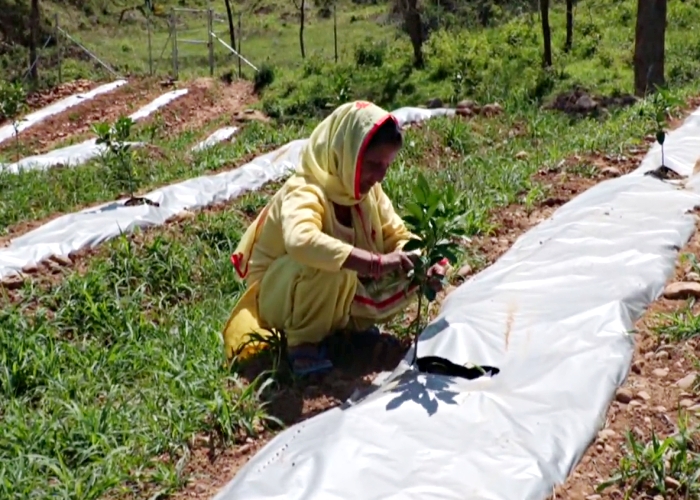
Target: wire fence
point(188, 39)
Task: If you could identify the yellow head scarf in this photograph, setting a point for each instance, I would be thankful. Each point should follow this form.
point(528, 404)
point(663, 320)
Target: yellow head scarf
point(334, 153)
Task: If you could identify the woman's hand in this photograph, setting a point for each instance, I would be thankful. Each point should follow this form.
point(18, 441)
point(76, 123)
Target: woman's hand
point(436, 274)
point(396, 260)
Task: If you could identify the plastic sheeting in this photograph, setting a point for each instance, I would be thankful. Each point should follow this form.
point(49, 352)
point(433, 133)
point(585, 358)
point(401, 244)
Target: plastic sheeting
point(91, 227)
point(8, 131)
point(553, 314)
point(221, 135)
point(77, 154)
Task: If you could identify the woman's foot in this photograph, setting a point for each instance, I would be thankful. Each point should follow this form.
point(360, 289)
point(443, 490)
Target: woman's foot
point(306, 359)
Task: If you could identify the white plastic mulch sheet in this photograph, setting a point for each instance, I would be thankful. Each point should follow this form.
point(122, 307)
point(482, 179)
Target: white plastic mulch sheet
point(90, 227)
point(553, 314)
point(77, 154)
point(221, 135)
point(8, 131)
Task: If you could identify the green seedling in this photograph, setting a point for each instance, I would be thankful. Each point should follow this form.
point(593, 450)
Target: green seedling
point(12, 105)
point(436, 219)
point(662, 103)
point(119, 157)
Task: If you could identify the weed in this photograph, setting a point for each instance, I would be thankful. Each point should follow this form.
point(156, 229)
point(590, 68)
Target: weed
point(12, 105)
point(666, 466)
point(120, 155)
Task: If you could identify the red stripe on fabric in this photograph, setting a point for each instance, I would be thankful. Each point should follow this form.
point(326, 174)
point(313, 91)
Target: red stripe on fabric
point(386, 302)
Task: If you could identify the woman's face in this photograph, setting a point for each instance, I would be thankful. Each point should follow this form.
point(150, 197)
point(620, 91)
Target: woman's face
point(375, 165)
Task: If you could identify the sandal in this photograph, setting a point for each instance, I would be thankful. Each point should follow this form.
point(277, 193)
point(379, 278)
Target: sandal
point(373, 333)
point(317, 362)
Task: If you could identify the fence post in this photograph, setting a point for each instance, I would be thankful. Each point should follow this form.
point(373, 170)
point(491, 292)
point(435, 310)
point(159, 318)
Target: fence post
point(335, 31)
point(240, 35)
point(59, 47)
point(150, 46)
point(173, 28)
point(210, 40)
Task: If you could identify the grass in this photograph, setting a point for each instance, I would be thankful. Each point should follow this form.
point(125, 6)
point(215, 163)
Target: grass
point(118, 368)
point(36, 194)
point(110, 375)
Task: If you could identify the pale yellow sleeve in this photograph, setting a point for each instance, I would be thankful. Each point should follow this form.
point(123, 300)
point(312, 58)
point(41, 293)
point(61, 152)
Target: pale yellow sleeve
point(393, 228)
point(302, 228)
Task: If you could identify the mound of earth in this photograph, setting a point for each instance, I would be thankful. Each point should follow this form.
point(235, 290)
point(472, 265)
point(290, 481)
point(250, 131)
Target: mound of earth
point(580, 102)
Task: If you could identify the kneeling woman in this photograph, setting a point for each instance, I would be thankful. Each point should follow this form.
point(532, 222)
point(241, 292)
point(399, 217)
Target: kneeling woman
point(325, 253)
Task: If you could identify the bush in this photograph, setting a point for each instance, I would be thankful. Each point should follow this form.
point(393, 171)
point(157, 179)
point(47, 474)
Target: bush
point(263, 77)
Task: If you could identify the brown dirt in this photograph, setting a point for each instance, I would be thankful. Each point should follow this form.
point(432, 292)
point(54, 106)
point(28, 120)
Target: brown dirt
point(206, 101)
point(41, 99)
point(77, 121)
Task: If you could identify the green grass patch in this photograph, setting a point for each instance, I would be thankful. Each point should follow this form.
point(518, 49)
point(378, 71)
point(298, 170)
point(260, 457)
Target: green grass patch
point(34, 194)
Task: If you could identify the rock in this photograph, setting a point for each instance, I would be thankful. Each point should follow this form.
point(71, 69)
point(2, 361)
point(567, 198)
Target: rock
point(492, 109)
point(61, 260)
point(660, 372)
point(184, 215)
point(623, 395)
point(30, 269)
point(694, 408)
point(435, 103)
point(12, 282)
point(466, 104)
point(682, 290)
point(648, 355)
point(611, 172)
point(688, 381)
point(464, 111)
point(607, 434)
point(643, 395)
point(465, 271)
point(593, 497)
point(686, 403)
point(522, 155)
point(609, 449)
point(585, 104)
point(637, 367)
point(634, 403)
point(662, 355)
point(659, 409)
point(249, 111)
point(671, 483)
point(693, 276)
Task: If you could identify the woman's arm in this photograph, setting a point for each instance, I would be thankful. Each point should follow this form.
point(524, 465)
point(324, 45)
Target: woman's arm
point(394, 230)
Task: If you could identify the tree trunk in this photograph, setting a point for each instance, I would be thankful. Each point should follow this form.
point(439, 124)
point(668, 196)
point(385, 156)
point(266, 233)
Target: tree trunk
point(34, 27)
point(231, 31)
point(546, 34)
point(649, 46)
point(569, 25)
point(415, 31)
point(302, 10)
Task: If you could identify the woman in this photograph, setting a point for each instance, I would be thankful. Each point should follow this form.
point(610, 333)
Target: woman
point(325, 253)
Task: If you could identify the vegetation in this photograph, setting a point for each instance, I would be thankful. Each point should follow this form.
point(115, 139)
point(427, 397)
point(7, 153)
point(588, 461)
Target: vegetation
point(117, 374)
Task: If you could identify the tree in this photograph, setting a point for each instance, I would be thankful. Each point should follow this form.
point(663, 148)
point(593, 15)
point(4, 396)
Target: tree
point(414, 28)
point(231, 31)
point(569, 25)
point(302, 7)
point(546, 34)
point(34, 27)
point(649, 46)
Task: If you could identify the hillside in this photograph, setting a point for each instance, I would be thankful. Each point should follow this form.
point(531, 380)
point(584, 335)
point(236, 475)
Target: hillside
point(115, 262)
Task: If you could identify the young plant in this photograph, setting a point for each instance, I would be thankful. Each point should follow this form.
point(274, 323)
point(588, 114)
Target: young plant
point(662, 103)
point(12, 104)
point(436, 219)
point(120, 156)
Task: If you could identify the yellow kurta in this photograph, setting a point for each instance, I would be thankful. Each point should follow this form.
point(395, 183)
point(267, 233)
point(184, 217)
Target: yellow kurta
point(292, 255)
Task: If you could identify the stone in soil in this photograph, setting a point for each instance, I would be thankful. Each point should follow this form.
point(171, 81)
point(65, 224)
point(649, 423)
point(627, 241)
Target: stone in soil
point(682, 290)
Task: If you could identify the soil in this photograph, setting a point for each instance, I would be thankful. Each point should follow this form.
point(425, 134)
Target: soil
point(41, 99)
point(207, 100)
point(580, 102)
point(77, 121)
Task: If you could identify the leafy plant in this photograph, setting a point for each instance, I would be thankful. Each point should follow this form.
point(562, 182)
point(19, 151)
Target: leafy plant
point(119, 151)
point(12, 104)
point(662, 104)
point(668, 467)
point(436, 219)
